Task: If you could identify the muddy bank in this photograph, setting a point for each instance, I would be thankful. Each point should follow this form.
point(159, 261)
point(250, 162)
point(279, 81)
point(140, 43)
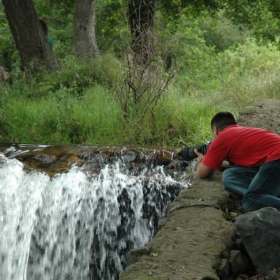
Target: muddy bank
point(198, 232)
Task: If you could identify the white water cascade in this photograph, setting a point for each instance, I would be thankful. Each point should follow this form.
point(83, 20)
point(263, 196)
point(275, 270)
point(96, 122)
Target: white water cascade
point(76, 225)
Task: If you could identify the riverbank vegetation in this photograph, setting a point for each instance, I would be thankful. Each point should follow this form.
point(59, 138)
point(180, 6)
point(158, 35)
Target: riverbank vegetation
point(203, 65)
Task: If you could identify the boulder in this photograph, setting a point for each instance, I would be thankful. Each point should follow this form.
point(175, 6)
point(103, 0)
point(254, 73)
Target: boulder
point(260, 233)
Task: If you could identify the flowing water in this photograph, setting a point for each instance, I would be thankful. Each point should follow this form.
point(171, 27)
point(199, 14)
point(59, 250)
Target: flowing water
point(77, 225)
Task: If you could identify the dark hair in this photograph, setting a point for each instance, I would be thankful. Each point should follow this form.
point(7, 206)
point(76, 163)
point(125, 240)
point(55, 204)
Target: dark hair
point(44, 26)
point(222, 120)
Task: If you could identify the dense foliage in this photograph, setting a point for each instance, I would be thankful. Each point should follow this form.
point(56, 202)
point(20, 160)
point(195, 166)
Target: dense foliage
point(208, 58)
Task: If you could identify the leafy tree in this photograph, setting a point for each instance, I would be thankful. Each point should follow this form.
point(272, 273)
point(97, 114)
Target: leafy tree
point(141, 18)
point(112, 30)
point(8, 53)
point(30, 39)
point(59, 15)
point(84, 39)
point(261, 16)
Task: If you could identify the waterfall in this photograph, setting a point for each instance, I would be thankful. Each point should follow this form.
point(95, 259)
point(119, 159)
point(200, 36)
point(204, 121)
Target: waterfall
point(77, 225)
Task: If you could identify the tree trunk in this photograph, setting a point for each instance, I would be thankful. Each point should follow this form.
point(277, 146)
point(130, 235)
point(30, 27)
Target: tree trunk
point(30, 40)
point(84, 39)
point(141, 17)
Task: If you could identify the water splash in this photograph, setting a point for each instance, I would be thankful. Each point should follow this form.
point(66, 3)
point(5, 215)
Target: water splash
point(20, 196)
point(76, 225)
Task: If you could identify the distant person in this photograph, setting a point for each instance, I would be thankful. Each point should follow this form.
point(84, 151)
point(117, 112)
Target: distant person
point(255, 152)
point(46, 31)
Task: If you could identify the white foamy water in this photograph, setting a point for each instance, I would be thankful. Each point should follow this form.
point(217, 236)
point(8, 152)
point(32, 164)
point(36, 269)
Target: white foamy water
point(75, 225)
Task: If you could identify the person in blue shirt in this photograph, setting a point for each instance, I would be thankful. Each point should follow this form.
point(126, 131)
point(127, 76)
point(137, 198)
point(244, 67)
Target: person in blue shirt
point(46, 31)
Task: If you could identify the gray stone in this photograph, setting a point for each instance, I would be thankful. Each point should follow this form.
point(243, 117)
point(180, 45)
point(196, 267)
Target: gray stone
point(238, 262)
point(162, 222)
point(224, 268)
point(135, 254)
point(260, 233)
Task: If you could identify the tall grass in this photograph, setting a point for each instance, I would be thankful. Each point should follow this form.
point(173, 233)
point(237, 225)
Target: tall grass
point(62, 118)
point(79, 105)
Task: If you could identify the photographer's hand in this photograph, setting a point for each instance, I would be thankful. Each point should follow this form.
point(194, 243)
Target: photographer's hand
point(202, 170)
point(199, 156)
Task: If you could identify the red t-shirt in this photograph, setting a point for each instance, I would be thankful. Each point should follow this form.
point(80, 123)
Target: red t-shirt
point(244, 146)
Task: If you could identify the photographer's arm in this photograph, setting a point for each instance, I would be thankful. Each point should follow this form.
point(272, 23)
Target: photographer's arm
point(202, 170)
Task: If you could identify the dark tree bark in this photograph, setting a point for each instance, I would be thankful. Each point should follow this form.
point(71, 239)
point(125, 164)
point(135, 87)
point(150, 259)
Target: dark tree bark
point(141, 18)
point(84, 39)
point(30, 40)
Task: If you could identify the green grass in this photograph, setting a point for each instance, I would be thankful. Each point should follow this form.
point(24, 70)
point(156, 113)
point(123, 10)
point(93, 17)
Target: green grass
point(80, 104)
point(61, 118)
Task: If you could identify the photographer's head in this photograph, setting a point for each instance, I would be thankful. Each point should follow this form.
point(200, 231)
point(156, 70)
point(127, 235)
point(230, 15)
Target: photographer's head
point(220, 121)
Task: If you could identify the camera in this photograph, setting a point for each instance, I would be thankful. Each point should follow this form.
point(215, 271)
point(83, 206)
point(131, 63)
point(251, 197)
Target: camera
point(189, 154)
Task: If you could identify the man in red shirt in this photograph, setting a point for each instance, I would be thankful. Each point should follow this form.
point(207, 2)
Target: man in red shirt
point(255, 153)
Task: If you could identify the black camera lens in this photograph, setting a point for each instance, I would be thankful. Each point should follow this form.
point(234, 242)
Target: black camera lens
point(189, 154)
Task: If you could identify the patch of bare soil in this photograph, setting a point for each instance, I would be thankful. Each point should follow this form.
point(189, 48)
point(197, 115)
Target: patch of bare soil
point(264, 114)
point(199, 231)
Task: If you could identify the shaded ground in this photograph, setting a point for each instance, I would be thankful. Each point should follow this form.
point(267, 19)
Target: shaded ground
point(198, 232)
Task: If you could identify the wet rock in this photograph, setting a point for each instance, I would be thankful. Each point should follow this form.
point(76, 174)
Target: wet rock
point(224, 269)
point(260, 233)
point(162, 222)
point(134, 255)
point(237, 262)
point(60, 158)
point(163, 157)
